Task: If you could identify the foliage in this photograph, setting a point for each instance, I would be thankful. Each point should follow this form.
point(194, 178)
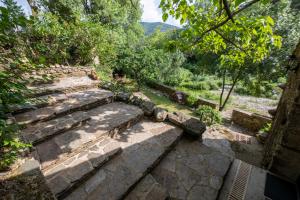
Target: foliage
point(151, 27)
point(239, 39)
point(208, 115)
point(266, 128)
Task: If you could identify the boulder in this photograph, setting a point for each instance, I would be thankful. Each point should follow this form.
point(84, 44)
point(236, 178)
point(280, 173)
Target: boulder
point(190, 125)
point(93, 75)
point(160, 114)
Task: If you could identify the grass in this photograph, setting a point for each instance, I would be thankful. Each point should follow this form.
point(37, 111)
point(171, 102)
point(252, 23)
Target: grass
point(206, 94)
point(165, 102)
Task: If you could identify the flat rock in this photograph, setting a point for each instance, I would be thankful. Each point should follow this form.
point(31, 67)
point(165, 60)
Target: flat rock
point(76, 101)
point(191, 126)
point(66, 174)
point(105, 120)
point(142, 147)
point(41, 131)
point(192, 170)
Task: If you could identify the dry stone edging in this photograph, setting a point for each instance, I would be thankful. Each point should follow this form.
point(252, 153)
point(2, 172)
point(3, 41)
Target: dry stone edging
point(144, 145)
point(77, 101)
point(191, 126)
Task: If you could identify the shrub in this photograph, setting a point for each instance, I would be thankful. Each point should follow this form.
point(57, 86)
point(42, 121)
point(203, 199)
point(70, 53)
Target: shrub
point(191, 100)
point(208, 115)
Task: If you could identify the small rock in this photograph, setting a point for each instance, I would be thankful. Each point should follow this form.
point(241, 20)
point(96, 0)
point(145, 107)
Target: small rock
point(147, 107)
point(123, 96)
point(93, 75)
point(160, 114)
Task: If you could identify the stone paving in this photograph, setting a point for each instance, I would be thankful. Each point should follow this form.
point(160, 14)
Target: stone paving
point(65, 175)
point(143, 145)
point(104, 119)
point(192, 171)
point(76, 101)
point(67, 84)
point(148, 189)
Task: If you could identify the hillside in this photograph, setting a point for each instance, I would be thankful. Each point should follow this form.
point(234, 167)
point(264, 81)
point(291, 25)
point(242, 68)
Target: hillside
point(150, 27)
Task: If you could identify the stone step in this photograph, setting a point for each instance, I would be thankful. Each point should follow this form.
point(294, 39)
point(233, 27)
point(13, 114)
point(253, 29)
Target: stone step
point(148, 189)
point(42, 131)
point(64, 177)
point(192, 171)
point(76, 101)
point(64, 85)
point(39, 102)
point(105, 120)
point(144, 145)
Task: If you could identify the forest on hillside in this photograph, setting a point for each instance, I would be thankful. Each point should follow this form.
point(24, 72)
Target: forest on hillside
point(243, 46)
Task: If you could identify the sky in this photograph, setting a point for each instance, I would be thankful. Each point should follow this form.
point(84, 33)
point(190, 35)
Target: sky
point(151, 11)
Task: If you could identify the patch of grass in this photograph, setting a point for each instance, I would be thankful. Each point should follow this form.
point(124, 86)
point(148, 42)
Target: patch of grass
point(165, 102)
point(200, 93)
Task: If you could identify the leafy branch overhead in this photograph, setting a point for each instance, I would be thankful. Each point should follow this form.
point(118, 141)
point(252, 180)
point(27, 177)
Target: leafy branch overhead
point(237, 36)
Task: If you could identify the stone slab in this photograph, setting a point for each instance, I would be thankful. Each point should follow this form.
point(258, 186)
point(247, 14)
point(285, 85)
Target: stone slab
point(105, 120)
point(191, 126)
point(64, 176)
point(192, 170)
point(39, 132)
point(76, 101)
point(66, 84)
point(141, 151)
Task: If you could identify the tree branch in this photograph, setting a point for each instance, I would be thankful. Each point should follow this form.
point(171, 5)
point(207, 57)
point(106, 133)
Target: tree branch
point(229, 41)
point(226, 20)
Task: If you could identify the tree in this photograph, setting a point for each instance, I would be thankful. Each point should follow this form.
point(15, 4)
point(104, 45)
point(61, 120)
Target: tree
point(222, 28)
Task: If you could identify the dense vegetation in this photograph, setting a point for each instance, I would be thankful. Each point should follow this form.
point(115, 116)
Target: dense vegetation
point(241, 46)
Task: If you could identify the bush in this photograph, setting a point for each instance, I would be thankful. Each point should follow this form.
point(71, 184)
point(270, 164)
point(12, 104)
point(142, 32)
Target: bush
point(191, 100)
point(208, 115)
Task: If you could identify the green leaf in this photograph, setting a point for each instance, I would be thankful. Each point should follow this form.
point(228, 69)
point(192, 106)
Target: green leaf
point(165, 17)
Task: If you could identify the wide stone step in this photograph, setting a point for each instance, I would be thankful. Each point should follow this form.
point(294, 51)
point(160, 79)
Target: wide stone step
point(105, 120)
point(64, 85)
point(148, 189)
point(42, 131)
point(76, 101)
point(65, 176)
point(192, 171)
point(38, 102)
point(144, 145)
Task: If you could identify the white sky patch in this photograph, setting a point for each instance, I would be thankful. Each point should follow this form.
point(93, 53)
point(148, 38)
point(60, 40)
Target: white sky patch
point(152, 13)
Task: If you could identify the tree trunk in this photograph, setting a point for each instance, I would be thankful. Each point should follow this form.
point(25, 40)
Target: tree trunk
point(230, 91)
point(223, 88)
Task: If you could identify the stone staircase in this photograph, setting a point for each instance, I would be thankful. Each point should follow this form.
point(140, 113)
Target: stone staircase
point(90, 146)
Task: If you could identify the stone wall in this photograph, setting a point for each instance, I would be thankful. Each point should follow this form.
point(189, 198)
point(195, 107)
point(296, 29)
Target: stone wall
point(251, 121)
point(282, 150)
point(205, 102)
